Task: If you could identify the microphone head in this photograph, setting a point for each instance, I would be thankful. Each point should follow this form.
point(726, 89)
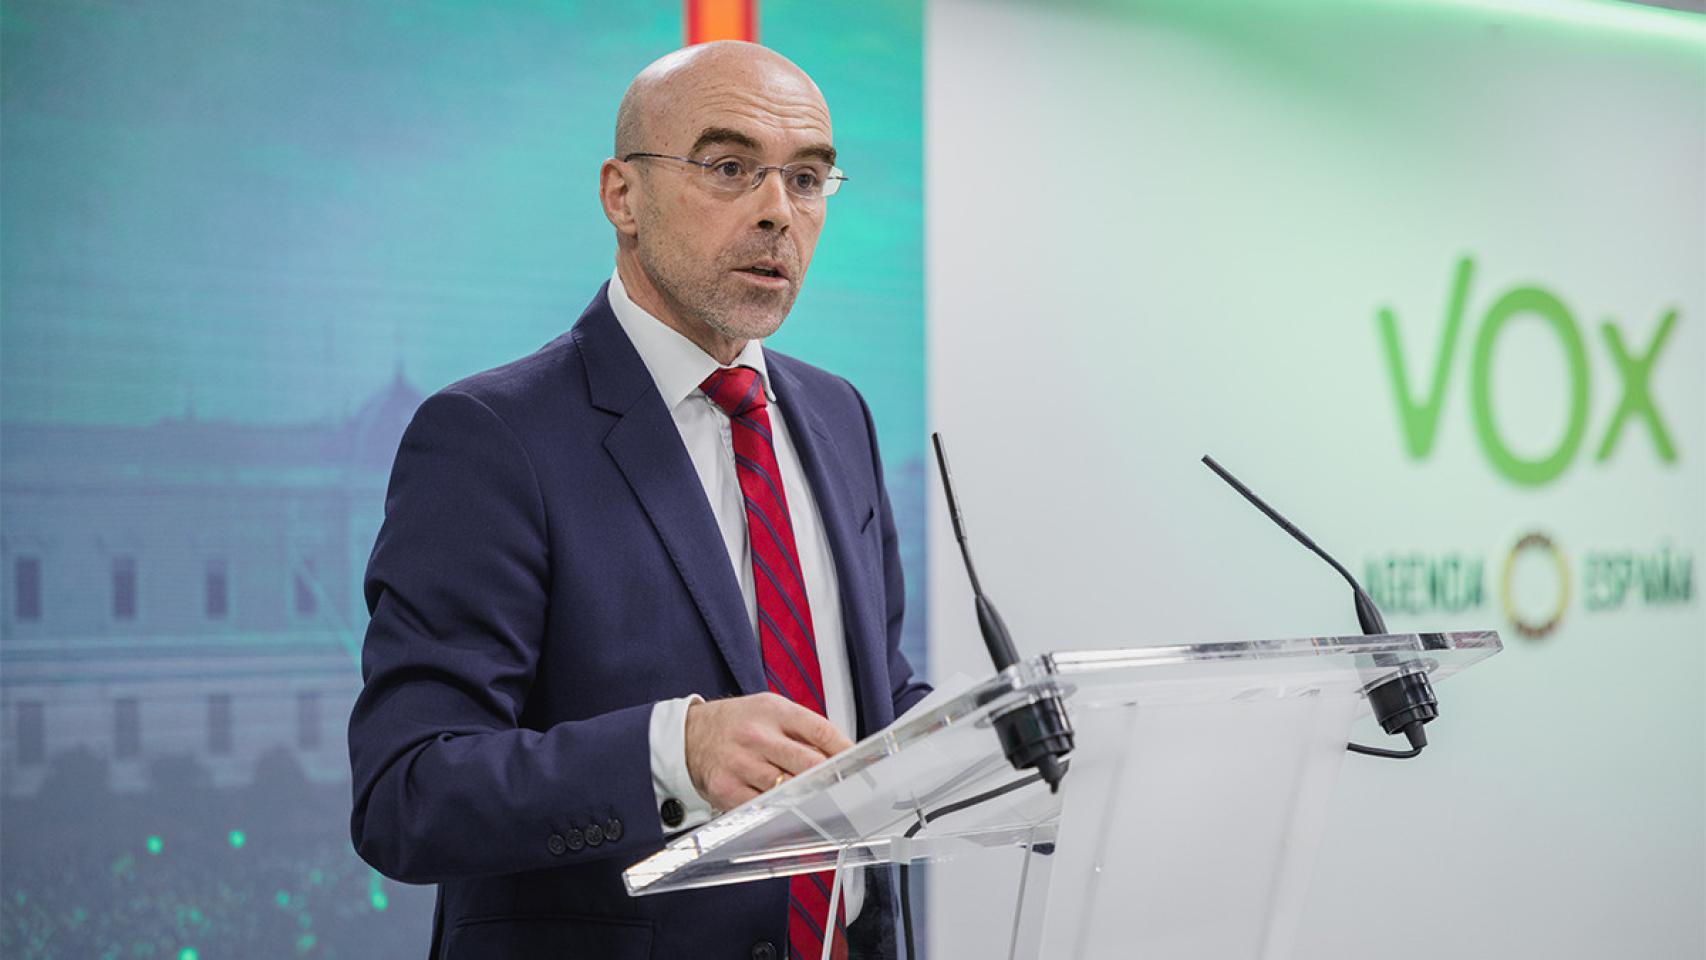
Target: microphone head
point(995, 635)
point(1368, 615)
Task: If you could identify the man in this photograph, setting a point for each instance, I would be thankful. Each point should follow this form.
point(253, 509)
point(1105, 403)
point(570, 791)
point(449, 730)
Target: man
point(642, 575)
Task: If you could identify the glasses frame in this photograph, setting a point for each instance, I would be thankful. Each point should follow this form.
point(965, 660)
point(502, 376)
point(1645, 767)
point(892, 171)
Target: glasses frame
point(831, 182)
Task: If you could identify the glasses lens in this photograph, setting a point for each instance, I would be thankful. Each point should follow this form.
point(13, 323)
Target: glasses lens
point(806, 180)
point(832, 181)
point(731, 174)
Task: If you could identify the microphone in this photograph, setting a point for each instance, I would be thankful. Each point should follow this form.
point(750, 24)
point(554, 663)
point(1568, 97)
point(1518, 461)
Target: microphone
point(1036, 735)
point(1403, 704)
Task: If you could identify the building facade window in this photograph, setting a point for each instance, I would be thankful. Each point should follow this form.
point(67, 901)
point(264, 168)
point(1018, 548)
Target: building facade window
point(127, 728)
point(308, 720)
point(124, 587)
point(32, 733)
point(307, 599)
point(219, 724)
point(26, 589)
point(216, 589)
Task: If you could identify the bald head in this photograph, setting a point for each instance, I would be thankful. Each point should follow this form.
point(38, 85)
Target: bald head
point(665, 97)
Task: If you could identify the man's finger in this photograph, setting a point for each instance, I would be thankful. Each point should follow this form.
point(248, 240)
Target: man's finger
point(764, 776)
point(737, 797)
point(793, 756)
point(813, 728)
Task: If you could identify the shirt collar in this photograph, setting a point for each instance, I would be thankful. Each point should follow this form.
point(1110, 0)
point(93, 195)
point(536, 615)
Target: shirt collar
point(676, 364)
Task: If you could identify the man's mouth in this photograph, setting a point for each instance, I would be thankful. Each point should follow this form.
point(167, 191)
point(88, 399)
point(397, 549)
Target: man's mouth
point(768, 269)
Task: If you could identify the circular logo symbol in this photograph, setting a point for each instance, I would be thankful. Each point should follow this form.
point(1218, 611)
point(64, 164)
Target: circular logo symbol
point(1526, 623)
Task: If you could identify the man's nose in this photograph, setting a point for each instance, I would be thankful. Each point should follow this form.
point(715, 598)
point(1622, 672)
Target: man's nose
point(775, 207)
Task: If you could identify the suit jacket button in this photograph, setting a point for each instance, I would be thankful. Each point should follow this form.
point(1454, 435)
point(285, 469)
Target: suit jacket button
point(574, 839)
point(613, 830)
point(672, 812)
point(556, 844)
point(594, 835)
point(764, 950)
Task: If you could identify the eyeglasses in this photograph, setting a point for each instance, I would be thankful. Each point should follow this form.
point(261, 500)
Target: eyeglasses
point(735, 174)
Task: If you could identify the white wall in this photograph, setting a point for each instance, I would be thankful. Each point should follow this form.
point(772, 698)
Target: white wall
point(1162, 229)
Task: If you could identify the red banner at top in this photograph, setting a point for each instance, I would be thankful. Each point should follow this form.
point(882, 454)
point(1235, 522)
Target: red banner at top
point(709, 20)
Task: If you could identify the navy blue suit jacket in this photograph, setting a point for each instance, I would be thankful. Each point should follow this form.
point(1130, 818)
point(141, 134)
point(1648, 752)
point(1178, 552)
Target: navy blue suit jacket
point(548, 569)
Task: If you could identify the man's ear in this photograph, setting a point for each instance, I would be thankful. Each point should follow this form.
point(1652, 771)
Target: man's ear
point(616, 194)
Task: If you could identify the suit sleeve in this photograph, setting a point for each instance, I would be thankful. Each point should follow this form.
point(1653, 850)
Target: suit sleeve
point(905, 688)
point(448, 780)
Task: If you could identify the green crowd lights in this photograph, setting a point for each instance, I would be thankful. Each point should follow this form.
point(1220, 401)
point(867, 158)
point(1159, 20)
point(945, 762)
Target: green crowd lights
point(155, 844)
point(188, 953)
point(237, 838)
point(376, 892)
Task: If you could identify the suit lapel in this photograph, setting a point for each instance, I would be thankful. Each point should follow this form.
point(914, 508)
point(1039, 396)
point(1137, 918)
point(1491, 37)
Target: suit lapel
point(646, 447)
point(844, 516)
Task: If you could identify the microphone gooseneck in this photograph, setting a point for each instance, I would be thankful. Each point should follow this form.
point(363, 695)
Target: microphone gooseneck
point(1037, 734)
point(1402, 704)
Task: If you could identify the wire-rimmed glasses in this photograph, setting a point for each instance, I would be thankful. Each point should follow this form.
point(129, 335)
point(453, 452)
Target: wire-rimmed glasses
point(738, 173)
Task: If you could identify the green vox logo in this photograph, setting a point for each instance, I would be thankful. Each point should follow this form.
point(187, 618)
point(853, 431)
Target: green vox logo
point(1418, 417)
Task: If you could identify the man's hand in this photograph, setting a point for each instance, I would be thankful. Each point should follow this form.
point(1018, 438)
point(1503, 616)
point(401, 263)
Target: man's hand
point(736, 748)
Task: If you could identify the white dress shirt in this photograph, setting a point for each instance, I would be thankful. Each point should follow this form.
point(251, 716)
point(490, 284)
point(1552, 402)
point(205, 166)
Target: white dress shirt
point(678, 366)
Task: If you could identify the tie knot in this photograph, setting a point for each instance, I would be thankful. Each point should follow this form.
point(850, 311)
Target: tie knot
point(738, 390)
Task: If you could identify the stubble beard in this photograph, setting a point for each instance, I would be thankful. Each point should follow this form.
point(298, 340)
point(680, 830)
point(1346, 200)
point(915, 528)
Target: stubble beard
point(710, 295)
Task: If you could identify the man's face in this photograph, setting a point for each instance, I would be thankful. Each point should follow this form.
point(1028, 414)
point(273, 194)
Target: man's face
point(733, 262)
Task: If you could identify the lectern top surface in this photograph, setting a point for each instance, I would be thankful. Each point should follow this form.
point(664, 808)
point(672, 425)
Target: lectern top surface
point(869, 804)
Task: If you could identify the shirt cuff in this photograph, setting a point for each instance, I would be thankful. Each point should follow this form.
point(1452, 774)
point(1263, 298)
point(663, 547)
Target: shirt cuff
point(677, 799)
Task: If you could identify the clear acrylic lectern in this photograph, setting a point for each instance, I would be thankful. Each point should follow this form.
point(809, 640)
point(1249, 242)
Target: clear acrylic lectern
point(1184, 828)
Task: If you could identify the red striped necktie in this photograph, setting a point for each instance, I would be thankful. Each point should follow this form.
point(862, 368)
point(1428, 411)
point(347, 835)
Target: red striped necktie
point(785, 635)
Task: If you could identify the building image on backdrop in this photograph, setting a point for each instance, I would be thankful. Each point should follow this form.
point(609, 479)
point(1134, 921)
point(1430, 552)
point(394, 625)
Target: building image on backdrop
point(169, 579)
